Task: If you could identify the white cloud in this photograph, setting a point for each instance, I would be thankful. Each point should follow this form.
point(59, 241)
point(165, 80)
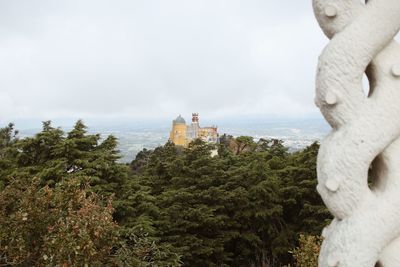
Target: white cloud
point(157, 58)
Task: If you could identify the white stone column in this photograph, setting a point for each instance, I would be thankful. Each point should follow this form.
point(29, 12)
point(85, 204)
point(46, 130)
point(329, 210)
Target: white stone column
point(365, 132)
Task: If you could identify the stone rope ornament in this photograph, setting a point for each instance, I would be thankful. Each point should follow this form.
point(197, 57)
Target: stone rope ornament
point(365, 137)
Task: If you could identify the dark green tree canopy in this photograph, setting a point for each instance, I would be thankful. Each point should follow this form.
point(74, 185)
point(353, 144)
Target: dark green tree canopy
point(245, 207)
point(171, 206)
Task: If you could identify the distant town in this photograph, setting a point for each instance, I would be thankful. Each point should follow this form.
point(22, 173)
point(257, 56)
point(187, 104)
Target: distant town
point(182, 134)
point(133, 136)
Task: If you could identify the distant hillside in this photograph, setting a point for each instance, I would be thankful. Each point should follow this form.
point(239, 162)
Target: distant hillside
point(134, 136)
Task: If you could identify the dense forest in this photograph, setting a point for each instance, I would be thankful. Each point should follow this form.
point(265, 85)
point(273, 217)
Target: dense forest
point(65, 200)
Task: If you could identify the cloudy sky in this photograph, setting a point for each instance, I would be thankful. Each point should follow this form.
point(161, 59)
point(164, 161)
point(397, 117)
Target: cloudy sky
point(142, 59)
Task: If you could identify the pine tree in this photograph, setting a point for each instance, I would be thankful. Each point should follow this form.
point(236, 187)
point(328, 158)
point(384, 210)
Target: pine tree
point(8, 152)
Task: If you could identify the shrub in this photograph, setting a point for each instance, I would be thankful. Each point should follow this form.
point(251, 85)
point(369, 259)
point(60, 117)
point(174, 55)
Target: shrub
point(67, 225)
point(306, 254)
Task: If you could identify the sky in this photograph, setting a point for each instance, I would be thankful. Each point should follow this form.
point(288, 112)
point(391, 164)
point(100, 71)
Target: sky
point(155, 59)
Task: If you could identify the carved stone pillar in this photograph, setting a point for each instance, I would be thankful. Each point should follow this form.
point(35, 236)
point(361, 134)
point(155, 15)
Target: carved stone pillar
point(365, 132)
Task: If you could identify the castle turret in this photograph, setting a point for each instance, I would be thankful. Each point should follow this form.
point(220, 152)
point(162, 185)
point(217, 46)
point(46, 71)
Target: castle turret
point(195, 118)
point(179, 131)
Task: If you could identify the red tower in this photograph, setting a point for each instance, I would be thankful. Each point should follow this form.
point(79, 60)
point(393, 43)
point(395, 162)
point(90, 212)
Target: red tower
point(195, 117)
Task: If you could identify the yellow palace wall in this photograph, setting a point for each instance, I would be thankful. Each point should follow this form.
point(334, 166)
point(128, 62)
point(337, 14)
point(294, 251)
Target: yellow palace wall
point(178, 134)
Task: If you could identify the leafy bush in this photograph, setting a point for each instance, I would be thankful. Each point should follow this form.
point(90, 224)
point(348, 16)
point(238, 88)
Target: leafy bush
point(67, 225)
point(306, 254)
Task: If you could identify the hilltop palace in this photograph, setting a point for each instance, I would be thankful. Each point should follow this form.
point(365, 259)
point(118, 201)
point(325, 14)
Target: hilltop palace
point(183, 134)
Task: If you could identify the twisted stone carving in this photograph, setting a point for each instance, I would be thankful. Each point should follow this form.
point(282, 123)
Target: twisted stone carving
point(366, 132)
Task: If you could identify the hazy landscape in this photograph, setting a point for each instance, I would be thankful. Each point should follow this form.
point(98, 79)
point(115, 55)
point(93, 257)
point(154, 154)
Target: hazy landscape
point(133, 136)
point(89, 94)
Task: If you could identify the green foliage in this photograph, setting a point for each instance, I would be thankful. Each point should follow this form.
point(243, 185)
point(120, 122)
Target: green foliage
point(54, 226)
point(306, 254)
point(244, 207)
point(142, 251)
point(8, 138)
point(51, 154)
point(174, 206)
point(65, 217)
point(304, 208)
point(68, 225)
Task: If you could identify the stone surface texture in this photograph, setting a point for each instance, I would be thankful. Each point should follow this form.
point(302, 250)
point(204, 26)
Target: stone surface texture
point(364, 141)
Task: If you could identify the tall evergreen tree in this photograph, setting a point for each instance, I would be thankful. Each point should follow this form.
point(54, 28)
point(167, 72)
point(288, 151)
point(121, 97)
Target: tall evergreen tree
point(8, 152)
